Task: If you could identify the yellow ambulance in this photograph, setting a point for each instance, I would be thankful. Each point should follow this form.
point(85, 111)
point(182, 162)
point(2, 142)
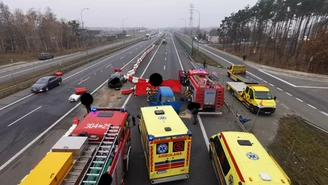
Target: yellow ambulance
point(166, 142)
point(240, 159)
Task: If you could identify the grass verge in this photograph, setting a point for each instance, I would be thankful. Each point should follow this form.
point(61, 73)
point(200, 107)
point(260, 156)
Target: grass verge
point(28, 80)
point(302, 151)
point(199, 57)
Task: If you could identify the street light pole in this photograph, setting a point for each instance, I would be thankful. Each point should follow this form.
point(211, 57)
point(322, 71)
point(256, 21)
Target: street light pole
point(185, 25)
point(198, 19)
point(82, 16)
point(123, 30)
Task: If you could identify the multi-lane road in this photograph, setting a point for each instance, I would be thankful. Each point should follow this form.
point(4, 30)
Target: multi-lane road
point(28, 118)
point(36, 113)
point(13, 72)
point(300, 98)
point(25, 115)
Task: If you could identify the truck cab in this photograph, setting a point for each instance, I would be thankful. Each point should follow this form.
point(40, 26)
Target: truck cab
point(256, 97)
point(165, 96)
point(238, 74)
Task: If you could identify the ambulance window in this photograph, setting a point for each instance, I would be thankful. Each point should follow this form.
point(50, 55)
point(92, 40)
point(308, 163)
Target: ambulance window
point(178, 146)
point(221, 156)
point(162, 148)
point(247, 89)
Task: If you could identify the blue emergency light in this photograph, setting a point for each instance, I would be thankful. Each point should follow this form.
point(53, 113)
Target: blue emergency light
point(150, 138)
point(94, 109)
point(122, 109)
point(200, 69)
point(189, 133)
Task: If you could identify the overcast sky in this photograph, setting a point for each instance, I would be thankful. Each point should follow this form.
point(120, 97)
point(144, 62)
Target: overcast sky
point(148, 13)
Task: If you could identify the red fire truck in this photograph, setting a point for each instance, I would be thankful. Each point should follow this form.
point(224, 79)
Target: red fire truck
point(201, 89)
point(95, 150)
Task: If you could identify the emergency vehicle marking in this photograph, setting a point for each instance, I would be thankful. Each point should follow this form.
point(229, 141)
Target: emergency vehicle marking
point(170, 140)
point(162, 148)
point(164, 165)
point(162, 117)
point(178, 146)
point(230, 180)
point(232, 158)
point(95, 126)
point(252, 156)
point(188, 152)
point(170, 155)
point(151, 158)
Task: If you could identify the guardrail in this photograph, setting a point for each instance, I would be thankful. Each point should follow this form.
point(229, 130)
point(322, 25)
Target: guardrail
point(59, 61)
point(63, 66)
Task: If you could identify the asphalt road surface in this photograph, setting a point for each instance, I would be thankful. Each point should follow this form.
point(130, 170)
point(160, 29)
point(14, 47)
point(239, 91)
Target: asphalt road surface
point(7, 74)
point(298, 98)
point(26, 119)
point(201, 170)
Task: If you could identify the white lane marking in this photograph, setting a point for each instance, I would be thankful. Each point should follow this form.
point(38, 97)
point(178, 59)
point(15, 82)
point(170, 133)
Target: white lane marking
point(53, 125)
point(83, 80)
point(312, 87)
point(108, 65)
point(121, 58)
point(24, 116)
point(19, 100)
point(255, 76)
point(299, 99)
point(265, 81)
point(166, 52)
point(279, 89)
point(324, 113)
point(272, 85)
point(311, 106)
point(130, 95)
point(2, 108)
point(130, 52)
point(203, 131)
point(277, 78)
point(288, 94)
point(176, 51)
point(165, 58)
point(164, 67)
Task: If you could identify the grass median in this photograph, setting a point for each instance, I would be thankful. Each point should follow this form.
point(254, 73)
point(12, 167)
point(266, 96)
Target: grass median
point(301, 150)
point(27, 81)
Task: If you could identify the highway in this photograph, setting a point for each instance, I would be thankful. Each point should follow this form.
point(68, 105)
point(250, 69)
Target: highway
point(297, 98)
point(164, 59)
point(24, 115)
point(11, 73)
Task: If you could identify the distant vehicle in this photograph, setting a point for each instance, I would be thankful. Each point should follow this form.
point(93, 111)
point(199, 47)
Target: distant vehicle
point(116, 80)
point(46, 83)
point(148, 36)
point(164, 41)
point(45, 56)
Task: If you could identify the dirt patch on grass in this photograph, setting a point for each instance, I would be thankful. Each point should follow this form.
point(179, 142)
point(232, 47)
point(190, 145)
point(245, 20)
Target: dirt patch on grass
point(302, 151)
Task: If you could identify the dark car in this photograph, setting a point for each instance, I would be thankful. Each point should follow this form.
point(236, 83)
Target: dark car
point(45, 56)
point(46, 83)
point(116, 80)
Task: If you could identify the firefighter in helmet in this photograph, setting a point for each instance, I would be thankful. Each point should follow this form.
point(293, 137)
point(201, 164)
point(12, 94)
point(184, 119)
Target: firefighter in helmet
point(148, 91)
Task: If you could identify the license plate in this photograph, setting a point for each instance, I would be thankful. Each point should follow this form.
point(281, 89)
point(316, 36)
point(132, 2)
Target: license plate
point(267, 113)
point(161, 172)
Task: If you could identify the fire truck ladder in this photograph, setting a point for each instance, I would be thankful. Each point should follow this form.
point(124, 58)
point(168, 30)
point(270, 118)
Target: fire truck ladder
point(100, 160)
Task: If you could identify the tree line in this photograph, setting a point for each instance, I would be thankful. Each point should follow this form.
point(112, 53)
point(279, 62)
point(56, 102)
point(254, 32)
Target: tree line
point(284, 33)
point(36, 31)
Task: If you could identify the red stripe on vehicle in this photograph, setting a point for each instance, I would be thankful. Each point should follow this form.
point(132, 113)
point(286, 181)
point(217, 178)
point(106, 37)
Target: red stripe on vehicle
point(169, 140)
point(233, 159)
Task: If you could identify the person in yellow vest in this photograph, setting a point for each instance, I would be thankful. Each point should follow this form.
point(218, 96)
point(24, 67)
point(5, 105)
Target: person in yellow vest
point(148, 91)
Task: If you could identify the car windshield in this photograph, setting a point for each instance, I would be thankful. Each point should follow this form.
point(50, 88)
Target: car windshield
point(42, 81)
point(168, 98)
point(263, 95)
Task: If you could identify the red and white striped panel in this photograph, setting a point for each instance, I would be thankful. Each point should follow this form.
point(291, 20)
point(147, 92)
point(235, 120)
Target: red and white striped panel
point(136, 79)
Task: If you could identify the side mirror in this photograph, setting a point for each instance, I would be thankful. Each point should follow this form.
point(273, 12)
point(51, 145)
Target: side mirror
point(274, 97)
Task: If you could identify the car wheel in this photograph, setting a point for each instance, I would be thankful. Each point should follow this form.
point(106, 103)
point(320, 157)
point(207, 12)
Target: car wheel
point(47, 89)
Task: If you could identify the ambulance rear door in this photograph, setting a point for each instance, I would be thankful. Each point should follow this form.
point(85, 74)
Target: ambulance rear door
point(171, 155)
